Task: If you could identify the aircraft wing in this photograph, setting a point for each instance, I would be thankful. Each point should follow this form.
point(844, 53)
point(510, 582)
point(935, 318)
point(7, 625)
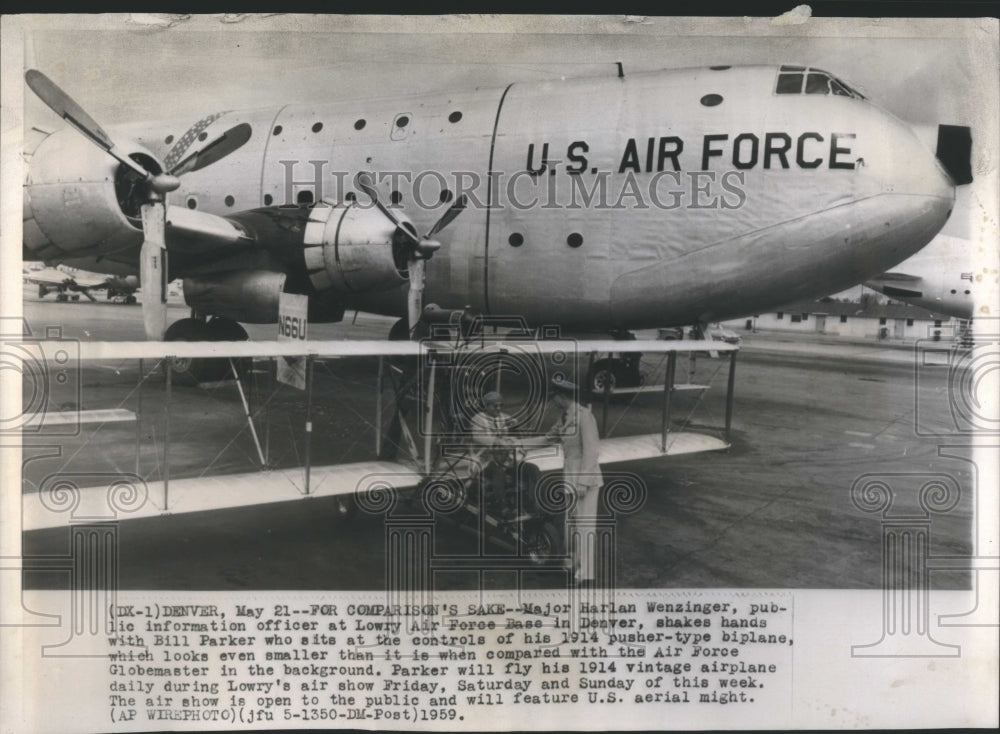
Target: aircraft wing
point(200, 494)
point(899, 277)
point(48, 276)
point(632, 448)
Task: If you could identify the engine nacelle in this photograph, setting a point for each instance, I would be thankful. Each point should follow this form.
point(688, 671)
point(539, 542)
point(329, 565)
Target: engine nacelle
point(350, 248)
point(80, 199)
point(250, 296)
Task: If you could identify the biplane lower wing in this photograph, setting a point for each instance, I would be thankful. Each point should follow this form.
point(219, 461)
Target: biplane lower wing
point(632, 448)
point(201, 494)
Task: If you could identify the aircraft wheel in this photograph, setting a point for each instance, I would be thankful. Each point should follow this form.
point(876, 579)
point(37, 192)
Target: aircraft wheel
point(222, 329)
point(400, 331)
point(226, 330)
point(130, 300)
point(189, 371)
point(602, 375)
point(62, 297)
point(542, 543)
point(76, 298)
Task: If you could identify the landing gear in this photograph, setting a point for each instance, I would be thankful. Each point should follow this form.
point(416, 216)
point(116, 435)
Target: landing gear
point(615, 372)
point(400, 331)
point(191, 370)
point(541, 542)
point(62, 298)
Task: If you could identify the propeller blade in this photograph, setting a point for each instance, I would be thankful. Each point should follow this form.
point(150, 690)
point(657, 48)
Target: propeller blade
point(153, 270)
point(216, 150)
point(64, 106)
point(364, 182)
point(449, 216)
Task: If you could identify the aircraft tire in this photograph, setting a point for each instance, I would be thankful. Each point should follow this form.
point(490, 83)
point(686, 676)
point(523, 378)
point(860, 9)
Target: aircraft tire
point(542, 543)
point(602, 374)
point(188, 371)
point(221, 329)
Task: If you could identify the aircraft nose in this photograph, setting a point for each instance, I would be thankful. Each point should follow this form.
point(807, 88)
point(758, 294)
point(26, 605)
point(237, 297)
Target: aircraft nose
point(918, 172)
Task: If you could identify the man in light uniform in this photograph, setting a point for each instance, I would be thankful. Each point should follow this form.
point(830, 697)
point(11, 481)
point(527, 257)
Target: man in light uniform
point(576, 430)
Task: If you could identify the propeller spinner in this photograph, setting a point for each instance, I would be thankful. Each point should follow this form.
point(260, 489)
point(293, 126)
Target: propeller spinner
point(153, 255)
point(421, 248)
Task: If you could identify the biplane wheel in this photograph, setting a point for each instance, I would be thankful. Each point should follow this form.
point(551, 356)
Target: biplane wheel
point(542, 542)
point(62, 297)
point(75, 297)
point(602, 375)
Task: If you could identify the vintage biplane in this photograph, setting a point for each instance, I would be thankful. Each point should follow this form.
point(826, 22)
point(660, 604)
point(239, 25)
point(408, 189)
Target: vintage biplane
point(421, 453)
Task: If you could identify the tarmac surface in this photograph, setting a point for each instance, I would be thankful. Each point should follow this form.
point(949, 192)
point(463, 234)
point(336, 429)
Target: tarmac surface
point(774, 511)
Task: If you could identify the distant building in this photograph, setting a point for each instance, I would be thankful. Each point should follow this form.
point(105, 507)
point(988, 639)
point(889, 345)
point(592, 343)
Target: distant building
point(892, 321)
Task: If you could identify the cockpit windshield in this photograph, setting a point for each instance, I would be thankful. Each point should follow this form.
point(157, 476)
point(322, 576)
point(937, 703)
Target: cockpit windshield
point(809, 80)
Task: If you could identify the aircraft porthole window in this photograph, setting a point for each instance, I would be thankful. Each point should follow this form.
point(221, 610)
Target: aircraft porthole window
point(395, 197)
point(720, 68)
point(169, 139)
point(575, 239)
point(192, 203)
point(202, 137)
point(953, 291)
point(516, 239)
point(711, 100)
point(402, 121)
point(317, 127)
point(455, 116)
point(230, 201)
point(277, 130)
point(446, 196)
point(968, 292)
point(268, 199)
point(359, 124)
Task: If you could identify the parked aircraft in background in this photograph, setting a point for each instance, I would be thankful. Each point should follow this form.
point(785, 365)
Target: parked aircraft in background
point(942, 278)
point(70, 283)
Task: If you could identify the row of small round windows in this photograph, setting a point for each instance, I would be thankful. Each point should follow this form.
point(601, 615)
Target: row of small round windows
point(359, 124)
point(516, 239)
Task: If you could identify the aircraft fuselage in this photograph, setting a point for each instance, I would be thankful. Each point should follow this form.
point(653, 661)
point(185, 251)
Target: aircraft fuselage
point(650, 200)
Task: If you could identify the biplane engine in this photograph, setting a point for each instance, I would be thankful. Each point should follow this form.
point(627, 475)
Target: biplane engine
point(79, 197)
point(349, 248)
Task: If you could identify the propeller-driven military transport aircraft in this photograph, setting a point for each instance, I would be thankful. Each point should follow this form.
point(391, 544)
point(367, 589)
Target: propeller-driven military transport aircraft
point(600, 204)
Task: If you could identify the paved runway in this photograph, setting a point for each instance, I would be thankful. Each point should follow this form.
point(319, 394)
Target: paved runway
point(773, 511)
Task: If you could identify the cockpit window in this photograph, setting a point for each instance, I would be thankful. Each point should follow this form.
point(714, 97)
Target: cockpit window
point(817, 81)
point(789, 84)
